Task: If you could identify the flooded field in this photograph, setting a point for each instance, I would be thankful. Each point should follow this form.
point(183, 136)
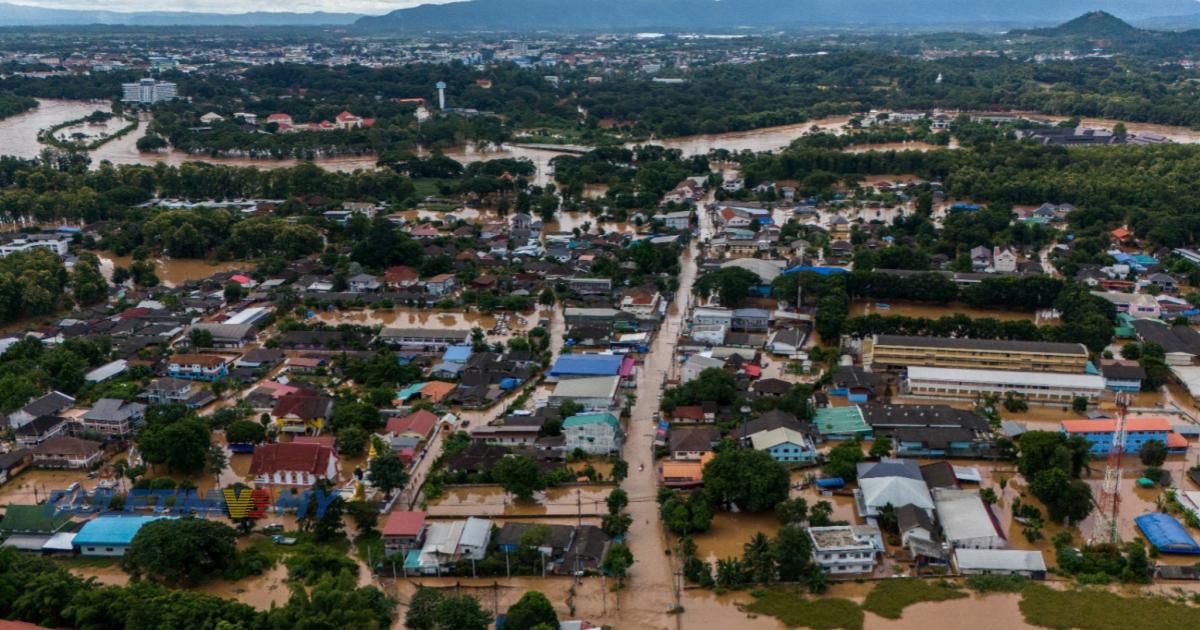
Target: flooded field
point(172, 272)
point(934, 311)
point(494, 501)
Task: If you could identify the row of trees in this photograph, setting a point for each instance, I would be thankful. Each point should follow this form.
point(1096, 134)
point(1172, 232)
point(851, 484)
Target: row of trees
point(38, 591)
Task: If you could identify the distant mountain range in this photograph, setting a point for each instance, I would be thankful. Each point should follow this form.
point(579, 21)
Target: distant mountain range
point(22, 15)
point(691, 15)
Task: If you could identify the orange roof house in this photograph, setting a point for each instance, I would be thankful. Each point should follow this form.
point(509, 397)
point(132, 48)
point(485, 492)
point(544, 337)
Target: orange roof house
point(435, 391)
point(683, 474)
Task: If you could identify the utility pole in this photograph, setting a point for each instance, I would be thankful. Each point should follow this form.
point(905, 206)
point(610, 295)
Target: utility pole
point(579, 506)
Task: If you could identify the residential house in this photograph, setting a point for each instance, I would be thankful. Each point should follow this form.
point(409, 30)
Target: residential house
point(641, 303)
point(680, 220)
point(786, 446)
point(402, 531)
point(713, 316)
point(1004, 260)
point(293, 463)
point(895, 482)
point(41, 429)
point(50, 404)
point(302, 412)
point(67, 452)
point(593, 433)
point(754, 320)
point(693, 443)
point(440, 285)
point(198, 367)
point(788, 342)
point(841, 549)
point(364, 283)
point(167, 390)
point(114, 417)
point(1180, 343)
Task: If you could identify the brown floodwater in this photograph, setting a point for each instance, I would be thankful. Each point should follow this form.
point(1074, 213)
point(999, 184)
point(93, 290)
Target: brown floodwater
point(173, 271)
point(494, 501)
point(764, 139)
point(934, 311)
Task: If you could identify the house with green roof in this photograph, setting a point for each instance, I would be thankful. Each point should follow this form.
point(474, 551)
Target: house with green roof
point(32, 519)
point(593, 433)
point(841, 423)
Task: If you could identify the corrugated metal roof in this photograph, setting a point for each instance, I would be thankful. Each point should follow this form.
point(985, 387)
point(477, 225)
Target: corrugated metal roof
point(1166, 533)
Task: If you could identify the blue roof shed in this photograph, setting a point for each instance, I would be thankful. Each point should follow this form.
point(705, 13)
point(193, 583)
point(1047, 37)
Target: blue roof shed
point(457, 354)
point(111, 530)
point(1166, 534)
point(587, 365)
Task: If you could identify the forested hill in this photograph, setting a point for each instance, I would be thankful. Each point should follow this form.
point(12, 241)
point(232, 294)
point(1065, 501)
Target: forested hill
point(681, 15)
point(1097, 24)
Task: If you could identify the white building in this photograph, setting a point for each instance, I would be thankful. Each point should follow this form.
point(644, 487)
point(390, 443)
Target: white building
point(680, 220)
point(1036, 387)
point(148, 91)
point(1030, 564)
point(967, 522)
point(57, 243)
point(595, 393)
point(593, 433)
point(713, 316)
point(1004, 260)
point(696, 364)
point(846, 548)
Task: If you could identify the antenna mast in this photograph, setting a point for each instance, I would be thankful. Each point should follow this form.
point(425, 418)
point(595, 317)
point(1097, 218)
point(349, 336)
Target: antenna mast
point(1109, 503)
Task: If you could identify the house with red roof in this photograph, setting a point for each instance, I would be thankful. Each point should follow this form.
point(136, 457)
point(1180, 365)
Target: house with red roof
point(346, 120)
point(403, 530)
point(418, 424)
point(280, 119)
point(401, 276)
point(293, 463)
point(424, 231)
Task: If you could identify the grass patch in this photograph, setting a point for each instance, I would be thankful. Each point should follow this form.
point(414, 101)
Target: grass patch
point(889, 598)
point(796, 611)
point(1101, 610)
point(997, 583)
point(426, 187)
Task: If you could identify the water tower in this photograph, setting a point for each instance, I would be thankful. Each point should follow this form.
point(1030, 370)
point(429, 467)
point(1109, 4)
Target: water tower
point(441, 88)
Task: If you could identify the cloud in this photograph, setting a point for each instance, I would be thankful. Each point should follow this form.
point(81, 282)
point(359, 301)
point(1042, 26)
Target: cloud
point(232, 6)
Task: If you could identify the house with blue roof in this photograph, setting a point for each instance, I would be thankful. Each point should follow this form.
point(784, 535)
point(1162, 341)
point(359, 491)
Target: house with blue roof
point(457, 354)
point(109, 535)
point(585, 365)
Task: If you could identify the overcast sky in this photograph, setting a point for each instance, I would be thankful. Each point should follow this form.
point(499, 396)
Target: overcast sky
point(232, 6)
